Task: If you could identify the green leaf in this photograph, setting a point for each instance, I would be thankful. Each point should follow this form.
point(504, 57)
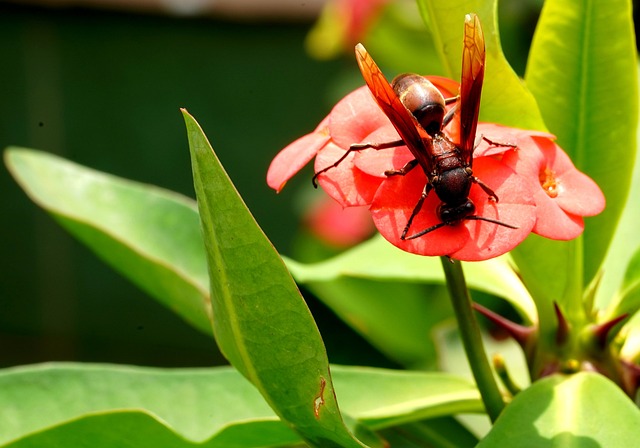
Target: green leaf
point(107, 405)
point(505, 99)
point(582, 70)
point(397, 318)
point(626, 241)
point(444, 432)
point(377, 259)
point(261, 322)
point(98, 405)
point(396, 298)
point(400, 43)
point(382, 398)
point(629, 295)
point(148, 234)
point(584, 409)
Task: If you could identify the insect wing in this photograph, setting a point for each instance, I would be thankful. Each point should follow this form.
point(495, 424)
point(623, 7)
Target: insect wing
point(413, 135)
point(473, 57)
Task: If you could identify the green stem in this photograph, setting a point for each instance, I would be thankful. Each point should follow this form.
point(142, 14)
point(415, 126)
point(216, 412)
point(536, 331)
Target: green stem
point(471, 338)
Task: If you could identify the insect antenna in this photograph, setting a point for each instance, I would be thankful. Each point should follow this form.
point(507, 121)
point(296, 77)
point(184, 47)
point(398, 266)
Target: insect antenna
point(442, 224)
point(494, 221)
point(425, 231)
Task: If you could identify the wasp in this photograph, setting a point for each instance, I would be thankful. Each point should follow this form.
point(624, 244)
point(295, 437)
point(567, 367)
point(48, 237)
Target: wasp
point(417, 110)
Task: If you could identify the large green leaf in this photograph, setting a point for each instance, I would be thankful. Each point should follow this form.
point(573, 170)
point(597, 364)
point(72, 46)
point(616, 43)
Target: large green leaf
point(581, 410)
point(98, 405)
point(582, 70)
point(148, 234)
point(379, 260)
point(505, 100)
point(396, 299)
point(397, 318)
point(629, 295)
point(626, 241)
point(261, 322)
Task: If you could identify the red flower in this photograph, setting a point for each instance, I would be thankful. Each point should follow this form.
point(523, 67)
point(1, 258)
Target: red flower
point(342, 24)
point(358, 16)
point(563, 194)
point(336, 225)
point(513, 174)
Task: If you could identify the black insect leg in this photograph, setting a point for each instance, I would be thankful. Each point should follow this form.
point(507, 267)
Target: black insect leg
point(499, 144)
point(416, 210)
point(486, 188)
point(449, 116)
point(404, 170)
point(353, 148)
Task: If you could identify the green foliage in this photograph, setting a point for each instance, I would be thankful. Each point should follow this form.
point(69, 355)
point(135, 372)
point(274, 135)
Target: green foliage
point(148, 234)
point(99, 405)
point(580, 410)
point(579, 53)
point(257, 307)
point(505, 99)
point(214, 267)
point(374, 271)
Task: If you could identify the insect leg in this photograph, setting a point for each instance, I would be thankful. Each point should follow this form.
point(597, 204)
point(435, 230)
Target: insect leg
point(453, 99)
point(449, 116)
point(416, 210)
point(376, 146)
point(486, 188)
point(353, 148)
point(404, 170)
point(505, 144)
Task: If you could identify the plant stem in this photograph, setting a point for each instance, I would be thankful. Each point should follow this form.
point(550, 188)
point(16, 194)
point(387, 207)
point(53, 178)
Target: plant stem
point(471, 338)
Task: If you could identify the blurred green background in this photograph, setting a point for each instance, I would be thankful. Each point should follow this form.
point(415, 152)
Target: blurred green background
point(104, 89)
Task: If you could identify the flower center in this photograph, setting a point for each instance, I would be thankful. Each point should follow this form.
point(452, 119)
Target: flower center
point(548, 182)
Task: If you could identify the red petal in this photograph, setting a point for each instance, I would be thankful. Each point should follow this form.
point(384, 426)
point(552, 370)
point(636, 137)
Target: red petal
point(295, 156)
point(345, 183)
point(575, 184)
point(577, 195)
point(469, 240)
point(376, 162)
point(355, 117)
point(553, 222)
point(515, 207)
point(506, 136)
point(393, 205)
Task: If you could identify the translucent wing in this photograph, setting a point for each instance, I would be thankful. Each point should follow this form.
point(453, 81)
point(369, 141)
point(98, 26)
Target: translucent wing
point(473, 57)
point(413, 135)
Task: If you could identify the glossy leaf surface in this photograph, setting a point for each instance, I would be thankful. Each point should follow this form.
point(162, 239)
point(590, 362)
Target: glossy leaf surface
point(148, 234)
point(585, 410)
point(99, 405)
point(505, 99)
point(395, 298)
point(580, 50)
point(261, 323)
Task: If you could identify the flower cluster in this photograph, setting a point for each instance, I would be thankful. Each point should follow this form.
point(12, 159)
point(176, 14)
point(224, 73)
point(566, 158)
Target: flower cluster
point(538, 187)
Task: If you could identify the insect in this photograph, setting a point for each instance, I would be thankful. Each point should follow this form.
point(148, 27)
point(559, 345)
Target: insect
point(417, 110)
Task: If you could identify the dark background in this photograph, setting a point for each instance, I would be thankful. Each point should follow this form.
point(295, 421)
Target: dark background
point(104, 89)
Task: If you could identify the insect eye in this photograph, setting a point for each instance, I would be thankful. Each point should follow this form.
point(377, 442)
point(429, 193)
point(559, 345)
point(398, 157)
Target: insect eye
point(469, 207)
